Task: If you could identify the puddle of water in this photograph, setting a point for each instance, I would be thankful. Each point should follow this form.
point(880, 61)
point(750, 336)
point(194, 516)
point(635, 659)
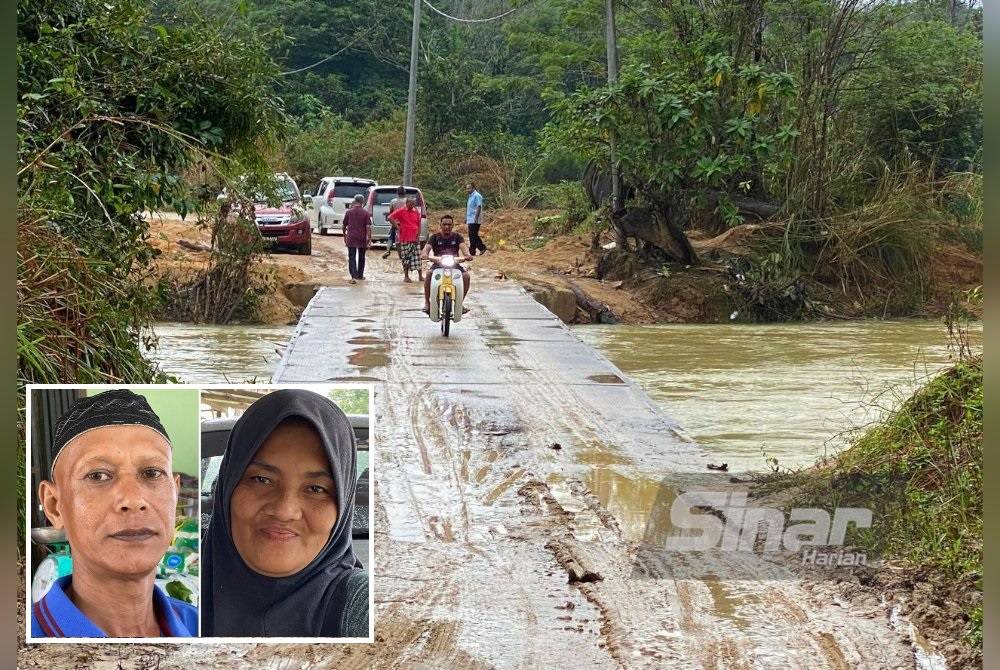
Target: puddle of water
point(501, 340)
point(503, 486)
point(599, 455)
point(365, 339)
point(464, 468)
point(367, 358)
point(491, 457)
point(726, 604)
point(632, 499)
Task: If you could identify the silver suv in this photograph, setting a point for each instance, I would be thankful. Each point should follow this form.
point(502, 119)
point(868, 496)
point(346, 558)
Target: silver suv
point(379, 198)
point(332, 197)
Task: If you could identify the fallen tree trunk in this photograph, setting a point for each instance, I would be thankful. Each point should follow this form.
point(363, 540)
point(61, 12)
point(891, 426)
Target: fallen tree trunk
point(597, 311)
point(656, 227)
point(747, 206)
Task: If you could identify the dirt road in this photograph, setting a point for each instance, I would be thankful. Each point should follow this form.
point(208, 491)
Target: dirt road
point(514, 476)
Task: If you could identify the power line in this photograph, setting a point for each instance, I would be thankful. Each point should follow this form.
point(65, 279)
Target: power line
point(320, 62)
point(435, 9)
point(462, 20)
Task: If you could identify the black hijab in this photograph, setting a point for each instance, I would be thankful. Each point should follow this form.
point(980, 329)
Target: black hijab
point(239, 602)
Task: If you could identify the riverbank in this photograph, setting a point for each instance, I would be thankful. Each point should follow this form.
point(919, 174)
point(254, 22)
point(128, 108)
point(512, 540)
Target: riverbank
point(582, 278)
point(286, 281)
point(560, 263)
point(920, 473)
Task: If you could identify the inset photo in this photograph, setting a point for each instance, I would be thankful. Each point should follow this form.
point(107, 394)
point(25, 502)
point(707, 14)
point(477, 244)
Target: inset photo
point(112, 512)
point(285, 490)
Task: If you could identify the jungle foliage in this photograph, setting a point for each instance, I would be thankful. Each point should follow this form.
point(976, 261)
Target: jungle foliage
point(725, 111)
point(856, 125)
point(117, 109)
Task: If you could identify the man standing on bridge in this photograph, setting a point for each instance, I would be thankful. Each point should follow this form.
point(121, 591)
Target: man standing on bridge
point(474, 218)
point(396, 203)
point(357, 237)
point(407, 220)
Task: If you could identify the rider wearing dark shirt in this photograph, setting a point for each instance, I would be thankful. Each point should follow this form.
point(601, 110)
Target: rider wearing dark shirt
point(445, 243)
point(446, 246)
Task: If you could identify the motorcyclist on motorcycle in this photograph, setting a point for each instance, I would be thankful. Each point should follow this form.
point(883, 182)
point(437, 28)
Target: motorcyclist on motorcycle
point(445, 243)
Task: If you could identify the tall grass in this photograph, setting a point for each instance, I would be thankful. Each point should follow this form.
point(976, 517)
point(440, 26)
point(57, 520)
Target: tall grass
point(880, 252)
point(73, 325)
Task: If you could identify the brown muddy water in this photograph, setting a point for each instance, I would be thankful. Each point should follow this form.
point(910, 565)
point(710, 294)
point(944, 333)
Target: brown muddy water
point(794, 392)
point(496, 508)
point(219, 354)
point(744, 392)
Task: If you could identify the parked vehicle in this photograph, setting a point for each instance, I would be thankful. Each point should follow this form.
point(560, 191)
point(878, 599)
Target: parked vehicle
point(285, 225)
point(215, 438)
point(332, 197)
point(379, 198)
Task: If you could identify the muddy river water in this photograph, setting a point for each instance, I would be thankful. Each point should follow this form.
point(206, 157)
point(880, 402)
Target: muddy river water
point(793, 392)
point(743, 392)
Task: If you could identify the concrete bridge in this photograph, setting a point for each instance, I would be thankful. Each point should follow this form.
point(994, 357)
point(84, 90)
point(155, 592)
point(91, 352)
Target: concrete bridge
point(515, 471)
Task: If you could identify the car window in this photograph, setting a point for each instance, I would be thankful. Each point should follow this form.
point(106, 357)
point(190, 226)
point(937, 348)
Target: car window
point(284, 190)
point(346, 189)
point(321, 189)
point(385, 197)
point(209, 473)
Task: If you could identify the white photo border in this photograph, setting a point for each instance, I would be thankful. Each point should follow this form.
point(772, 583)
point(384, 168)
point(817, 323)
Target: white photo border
point(372, 458)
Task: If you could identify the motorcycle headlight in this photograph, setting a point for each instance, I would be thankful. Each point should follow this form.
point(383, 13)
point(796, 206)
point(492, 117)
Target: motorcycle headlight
point(448, 261)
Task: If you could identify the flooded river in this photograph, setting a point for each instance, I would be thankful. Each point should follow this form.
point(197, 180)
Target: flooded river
point(517, 475)
point(789, 391)
point(743, 392)
point(219, 354)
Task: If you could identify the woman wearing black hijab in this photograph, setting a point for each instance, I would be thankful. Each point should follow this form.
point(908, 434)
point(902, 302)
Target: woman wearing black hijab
point(277, 554)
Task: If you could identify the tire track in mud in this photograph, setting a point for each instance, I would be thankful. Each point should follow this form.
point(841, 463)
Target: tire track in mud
point(699, 617)
point(454, 440)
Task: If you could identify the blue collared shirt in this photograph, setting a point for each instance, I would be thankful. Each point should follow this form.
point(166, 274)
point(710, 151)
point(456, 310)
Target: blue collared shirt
point(475, 202)
point(55, 615)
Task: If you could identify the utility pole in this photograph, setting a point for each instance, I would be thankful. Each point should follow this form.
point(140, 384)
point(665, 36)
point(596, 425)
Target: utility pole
point(612, 46)
point(411, 99)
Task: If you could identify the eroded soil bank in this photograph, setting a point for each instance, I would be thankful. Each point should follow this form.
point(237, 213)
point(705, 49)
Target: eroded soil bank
point(582, 283)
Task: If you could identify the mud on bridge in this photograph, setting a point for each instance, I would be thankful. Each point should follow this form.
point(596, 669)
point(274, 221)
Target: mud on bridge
point(515, 471)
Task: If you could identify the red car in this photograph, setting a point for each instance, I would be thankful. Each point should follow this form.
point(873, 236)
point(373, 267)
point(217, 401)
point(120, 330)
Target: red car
point(287, 225)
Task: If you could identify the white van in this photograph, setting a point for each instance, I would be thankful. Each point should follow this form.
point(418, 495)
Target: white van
point(379, 198)
point(332, 197)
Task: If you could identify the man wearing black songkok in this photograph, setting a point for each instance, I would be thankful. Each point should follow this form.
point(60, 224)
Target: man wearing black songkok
point(112, 489)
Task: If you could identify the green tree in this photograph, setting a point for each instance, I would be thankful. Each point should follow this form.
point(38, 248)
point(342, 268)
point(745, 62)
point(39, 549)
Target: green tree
point(116, 112)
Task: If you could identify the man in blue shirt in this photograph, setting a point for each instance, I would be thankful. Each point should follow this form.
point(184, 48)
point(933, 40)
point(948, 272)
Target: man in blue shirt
point(55, 615)
point(112, 490)
point(474, 218)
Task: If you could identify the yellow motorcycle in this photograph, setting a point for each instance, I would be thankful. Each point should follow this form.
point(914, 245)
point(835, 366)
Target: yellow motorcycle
point(446, 294)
